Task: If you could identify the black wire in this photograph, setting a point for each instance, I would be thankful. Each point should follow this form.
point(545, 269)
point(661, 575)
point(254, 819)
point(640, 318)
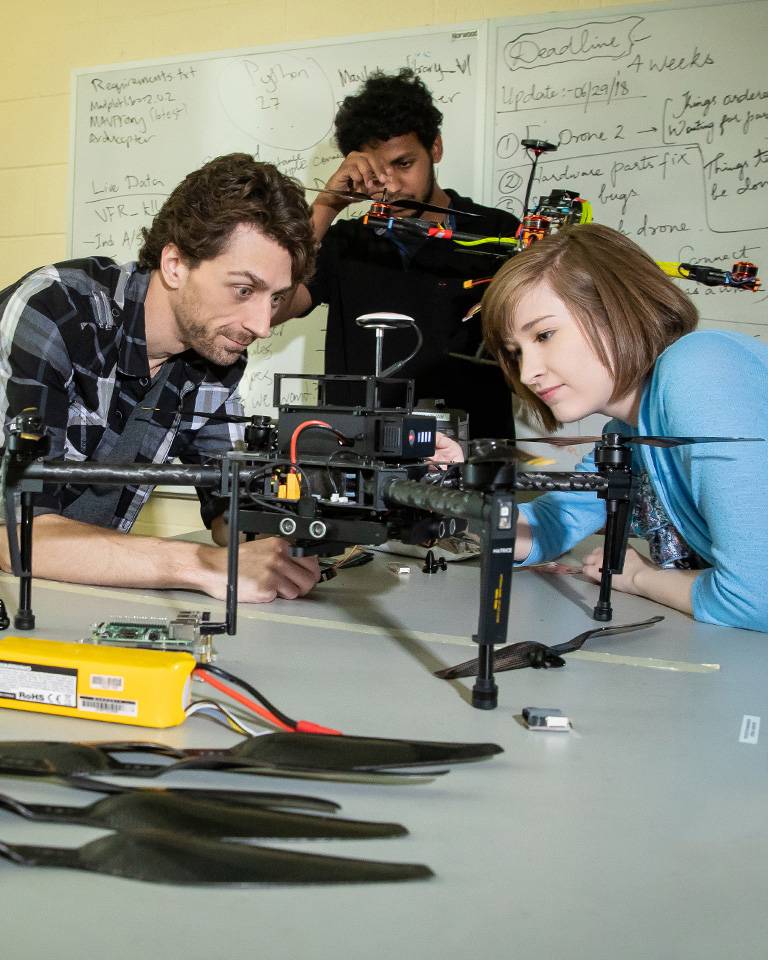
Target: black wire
point(330, 477)
point(244, 685)
point(452, 471)
point(401, 363)
point(272, 506)
point(304, 478)
point(359, 461)
point(268, 468)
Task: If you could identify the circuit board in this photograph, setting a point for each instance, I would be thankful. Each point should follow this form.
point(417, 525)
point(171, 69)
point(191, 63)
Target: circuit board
point(186, 633)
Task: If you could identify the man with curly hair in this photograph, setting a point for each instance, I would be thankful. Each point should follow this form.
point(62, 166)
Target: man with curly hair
point(389, 134)
point(137, 362)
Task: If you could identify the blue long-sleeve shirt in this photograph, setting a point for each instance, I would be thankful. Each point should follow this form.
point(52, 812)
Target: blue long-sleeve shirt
point(708, 383)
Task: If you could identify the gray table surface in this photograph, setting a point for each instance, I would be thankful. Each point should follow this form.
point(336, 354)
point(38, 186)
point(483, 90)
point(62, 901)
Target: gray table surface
point(639, 834)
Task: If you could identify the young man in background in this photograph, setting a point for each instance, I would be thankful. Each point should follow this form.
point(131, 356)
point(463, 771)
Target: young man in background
point(390, 136)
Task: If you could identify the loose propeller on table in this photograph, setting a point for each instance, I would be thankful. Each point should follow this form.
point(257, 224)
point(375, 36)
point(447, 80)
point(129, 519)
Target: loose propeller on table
point(304, 756)
point(531, 653)
point(138, 809)
point(160, 857)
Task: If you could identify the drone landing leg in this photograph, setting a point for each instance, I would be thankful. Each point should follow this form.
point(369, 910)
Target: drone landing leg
point(233, 547)
point(496, 565)
point(618, 516)
point(613, 460)
point(485, 693)
point(603, 610)
point(25, 618)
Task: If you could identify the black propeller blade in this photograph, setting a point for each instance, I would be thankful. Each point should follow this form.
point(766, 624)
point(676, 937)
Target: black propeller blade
point(219, 417)
point(259, 798)
point(306, 756)
point(531, 653)
point(182, 859)
point(228, 417)
point(322, 751)
point(408, 204)
point(494, 449)
point(74, 763)
point(645, 441)
point(201, 816)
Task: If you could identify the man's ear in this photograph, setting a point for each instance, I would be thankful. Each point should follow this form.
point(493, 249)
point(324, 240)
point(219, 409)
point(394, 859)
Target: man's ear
point(437, 149)
point(172, 266)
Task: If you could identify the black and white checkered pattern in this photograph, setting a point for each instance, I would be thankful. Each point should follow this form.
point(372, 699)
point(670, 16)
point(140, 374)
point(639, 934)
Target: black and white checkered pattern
point(72, 344)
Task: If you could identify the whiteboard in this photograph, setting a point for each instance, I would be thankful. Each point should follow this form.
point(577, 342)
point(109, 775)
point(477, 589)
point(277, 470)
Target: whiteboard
point(660, 115)
point(661, 120)
point(138, 129)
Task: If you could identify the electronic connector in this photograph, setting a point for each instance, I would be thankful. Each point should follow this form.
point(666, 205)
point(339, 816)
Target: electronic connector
point(546, 718)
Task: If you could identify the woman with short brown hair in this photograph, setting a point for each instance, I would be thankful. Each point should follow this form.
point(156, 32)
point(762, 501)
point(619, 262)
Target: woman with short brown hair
point(585, 322)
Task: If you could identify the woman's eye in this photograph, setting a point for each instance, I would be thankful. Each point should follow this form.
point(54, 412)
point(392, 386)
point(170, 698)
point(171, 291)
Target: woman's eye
point(543, 335)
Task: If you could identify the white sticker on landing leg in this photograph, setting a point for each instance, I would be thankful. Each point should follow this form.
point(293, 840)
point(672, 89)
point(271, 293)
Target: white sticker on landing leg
point(750, 729)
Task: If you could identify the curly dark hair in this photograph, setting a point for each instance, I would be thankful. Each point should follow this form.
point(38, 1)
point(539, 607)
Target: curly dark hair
point(201, 213)
point(388, 105)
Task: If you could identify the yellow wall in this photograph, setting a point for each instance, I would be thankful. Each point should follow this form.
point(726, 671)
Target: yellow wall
point(44, 41)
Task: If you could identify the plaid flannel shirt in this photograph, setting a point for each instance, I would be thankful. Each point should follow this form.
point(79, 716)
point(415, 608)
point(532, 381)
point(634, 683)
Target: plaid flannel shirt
point(72, 344)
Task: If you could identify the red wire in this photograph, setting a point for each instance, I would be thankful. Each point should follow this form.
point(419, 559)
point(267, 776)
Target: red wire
point(241, 698)
point(295, 437)
point(301, 726)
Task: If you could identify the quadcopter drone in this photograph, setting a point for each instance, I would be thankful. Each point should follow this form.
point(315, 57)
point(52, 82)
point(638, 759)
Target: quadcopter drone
point(328, 476)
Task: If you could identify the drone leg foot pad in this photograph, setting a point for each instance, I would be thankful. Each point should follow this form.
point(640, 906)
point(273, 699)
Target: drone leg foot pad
point(485, 695)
